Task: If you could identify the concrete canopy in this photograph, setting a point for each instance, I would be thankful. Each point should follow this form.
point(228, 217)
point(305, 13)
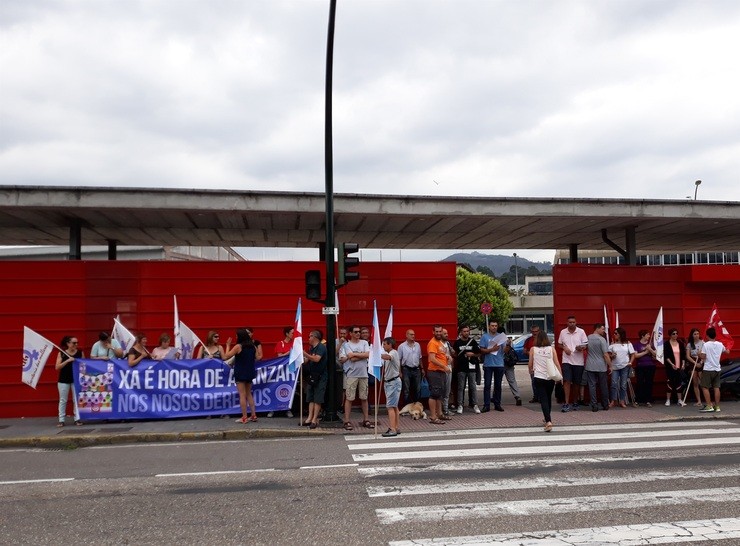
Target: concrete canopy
point(140, 216)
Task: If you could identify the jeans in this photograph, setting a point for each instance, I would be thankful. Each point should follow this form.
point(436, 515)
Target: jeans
point(644, 384)
point(510, 373)
point(544, 392)
point(411, 384)
point(594, 379)
point(497, 375)
point(462, 378)
point(448, 387)
point(620, 378)
point(64, 390)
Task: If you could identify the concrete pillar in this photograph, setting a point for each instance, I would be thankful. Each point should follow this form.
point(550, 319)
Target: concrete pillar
point(75, 241)
point(573, 248)
point(112, 249)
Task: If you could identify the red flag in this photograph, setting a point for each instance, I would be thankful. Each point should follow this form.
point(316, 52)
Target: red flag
point(722, 334)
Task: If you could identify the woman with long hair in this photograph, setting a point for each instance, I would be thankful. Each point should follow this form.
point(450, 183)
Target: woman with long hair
point(138, 351)
point(623, 355)
point(644, 369)
point(673, 357)
point(212, 349)
point(539, 356)
point(66, 378)
point(245, 354)
point(693, 362)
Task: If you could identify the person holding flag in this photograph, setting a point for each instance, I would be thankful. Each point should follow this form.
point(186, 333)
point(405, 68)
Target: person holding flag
point(392, 384)
point(66, 379)
point(138, 352)
point(644, 369)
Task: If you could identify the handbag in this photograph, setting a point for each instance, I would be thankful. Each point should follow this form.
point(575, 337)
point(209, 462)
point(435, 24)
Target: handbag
point(553, 374)
point(424, 388)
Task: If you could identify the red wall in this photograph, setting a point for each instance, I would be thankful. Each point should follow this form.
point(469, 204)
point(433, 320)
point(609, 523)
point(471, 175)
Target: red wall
point(686, 293)
point(81, 298)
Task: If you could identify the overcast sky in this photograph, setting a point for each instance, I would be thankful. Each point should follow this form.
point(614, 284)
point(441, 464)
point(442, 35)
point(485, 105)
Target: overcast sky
point(633, 99)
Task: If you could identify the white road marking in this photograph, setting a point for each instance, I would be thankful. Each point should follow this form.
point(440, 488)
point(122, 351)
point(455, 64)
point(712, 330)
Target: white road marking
point(49, 480)
point(539, 483)
point(528, 430)
point(539, 438)
point(328, 466)
point(214, 473)
point(539, 450)
point(372, 471)
point(612, 502)
point(649, 533)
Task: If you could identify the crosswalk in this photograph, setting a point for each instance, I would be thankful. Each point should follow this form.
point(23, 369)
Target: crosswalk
point(519, 486)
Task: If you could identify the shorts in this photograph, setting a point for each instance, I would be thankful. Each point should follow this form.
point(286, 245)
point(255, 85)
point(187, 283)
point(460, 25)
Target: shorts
point(393, 392)
point(437, 384)
point(710, 380)
point(572, 373)
point(316, 393)
point(355, 384)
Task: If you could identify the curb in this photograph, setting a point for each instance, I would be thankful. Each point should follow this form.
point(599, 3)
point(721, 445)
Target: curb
point(72, 442)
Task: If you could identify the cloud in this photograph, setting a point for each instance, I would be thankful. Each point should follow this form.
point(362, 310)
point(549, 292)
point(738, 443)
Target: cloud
point(621, 99)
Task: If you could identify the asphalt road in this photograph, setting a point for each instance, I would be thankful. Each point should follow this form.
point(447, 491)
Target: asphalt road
point(599, 482)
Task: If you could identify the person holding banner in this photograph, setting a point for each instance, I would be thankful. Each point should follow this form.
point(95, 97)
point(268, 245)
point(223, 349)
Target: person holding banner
point(164, 350)
point(644, 369)
point(211, 349)
point(138, 351)
point(64, 383)
point(106, 348)
point(245, 353)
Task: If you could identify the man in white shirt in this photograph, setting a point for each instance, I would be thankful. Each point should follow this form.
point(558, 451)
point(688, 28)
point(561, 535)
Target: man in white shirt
point(411, 371)
point(354, 356)
point(710, 375)
point(573, 340)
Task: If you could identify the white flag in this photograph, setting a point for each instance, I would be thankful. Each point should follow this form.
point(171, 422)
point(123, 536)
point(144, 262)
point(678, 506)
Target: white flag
point(189, 341)
point(36, 351)
point(123, 336)
point(375, 363)
point(389, 326)
point(295, 358)
point(178, 337)
point(658, 337)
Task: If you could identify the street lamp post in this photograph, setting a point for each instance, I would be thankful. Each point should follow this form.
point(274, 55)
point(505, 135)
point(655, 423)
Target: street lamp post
point(696, 188)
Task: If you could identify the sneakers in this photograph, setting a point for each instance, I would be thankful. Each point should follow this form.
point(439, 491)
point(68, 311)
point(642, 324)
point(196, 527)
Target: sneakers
point(485, 409)
point(390, 433)
point(518, 401)
point(707, 409)
point(476, 409)
point(565, 408)
point(574, 407)
point(534, 401)
point(716, 409)
point(270, 414)
point(681, 403)
point(667, 402)
point(459, 410)
point(289, 414)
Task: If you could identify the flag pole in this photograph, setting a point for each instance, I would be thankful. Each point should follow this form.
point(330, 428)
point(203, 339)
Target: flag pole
point(688, 387)
point(300, 397)
point(376, 407)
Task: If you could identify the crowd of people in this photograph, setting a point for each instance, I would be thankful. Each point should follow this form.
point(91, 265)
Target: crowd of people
point(589, 362)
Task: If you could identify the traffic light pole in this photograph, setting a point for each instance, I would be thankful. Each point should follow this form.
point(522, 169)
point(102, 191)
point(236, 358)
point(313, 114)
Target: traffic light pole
point(330, 411)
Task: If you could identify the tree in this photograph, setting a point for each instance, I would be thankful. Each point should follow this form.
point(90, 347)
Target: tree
point(473, 289)
point(486, 271)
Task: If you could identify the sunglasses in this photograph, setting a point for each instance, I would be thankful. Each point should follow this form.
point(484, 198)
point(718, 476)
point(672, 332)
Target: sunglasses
point(355, 331)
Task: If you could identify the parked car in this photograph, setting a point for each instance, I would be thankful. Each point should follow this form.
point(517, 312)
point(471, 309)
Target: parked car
point(518, 345)
point(730, 378)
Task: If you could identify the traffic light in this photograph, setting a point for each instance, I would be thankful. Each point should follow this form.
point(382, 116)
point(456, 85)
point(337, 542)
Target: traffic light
point(313, 285)
point(347, 263)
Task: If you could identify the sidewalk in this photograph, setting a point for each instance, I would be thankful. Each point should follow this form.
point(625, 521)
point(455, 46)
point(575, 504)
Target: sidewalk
point(42, 432)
